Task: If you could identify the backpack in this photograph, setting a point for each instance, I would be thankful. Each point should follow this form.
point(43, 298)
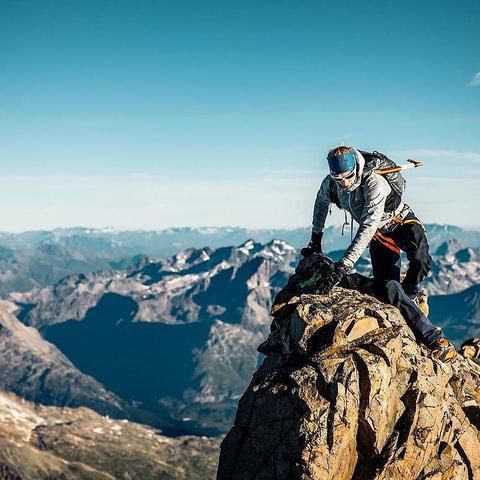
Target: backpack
point(373, 161)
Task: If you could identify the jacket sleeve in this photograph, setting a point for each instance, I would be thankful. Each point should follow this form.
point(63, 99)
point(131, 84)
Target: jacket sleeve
point(375, 190)
point(322, 204)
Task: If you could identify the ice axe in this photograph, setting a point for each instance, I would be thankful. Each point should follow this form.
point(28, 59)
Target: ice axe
point(398, 168)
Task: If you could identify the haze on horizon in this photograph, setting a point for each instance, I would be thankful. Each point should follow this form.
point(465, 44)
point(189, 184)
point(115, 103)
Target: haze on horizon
point(156, 114)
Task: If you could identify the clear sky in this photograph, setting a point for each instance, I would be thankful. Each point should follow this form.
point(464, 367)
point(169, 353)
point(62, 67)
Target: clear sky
point(152, 114)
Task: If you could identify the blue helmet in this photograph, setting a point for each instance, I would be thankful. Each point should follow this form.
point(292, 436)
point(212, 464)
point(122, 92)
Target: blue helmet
point(338, 164)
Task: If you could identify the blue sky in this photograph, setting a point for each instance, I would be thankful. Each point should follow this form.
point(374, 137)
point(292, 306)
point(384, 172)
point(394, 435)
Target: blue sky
point(151, 114)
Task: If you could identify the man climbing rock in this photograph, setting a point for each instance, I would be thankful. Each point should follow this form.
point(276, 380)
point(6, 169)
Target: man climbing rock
point(387, 225)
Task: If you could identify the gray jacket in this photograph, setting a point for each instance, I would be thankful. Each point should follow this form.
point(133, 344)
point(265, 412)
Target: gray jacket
point(365, 200)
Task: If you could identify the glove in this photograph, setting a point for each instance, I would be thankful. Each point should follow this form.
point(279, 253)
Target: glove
point(332, 279)
point(315, 245)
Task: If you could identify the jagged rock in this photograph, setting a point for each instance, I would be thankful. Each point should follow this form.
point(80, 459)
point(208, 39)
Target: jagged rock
point(471, 349)
point(346, 392)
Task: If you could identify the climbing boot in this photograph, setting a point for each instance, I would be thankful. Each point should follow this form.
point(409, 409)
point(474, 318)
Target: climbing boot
point(443, 351)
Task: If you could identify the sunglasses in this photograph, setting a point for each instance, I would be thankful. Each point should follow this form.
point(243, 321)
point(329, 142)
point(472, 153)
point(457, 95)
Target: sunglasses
point(346, 177)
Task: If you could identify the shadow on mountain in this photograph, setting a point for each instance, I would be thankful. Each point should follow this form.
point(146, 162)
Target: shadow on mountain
point(458, 314)
point(193, 264)
point(229, 288)
point(136, 360)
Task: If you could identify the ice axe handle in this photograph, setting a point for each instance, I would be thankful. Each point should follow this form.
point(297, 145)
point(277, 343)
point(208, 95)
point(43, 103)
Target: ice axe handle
point(416, 163)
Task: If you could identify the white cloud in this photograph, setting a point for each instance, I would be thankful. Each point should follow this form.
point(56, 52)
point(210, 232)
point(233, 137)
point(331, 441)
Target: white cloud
point(156, 201)
point(475, 81)
point(440, 193)
point(428, 153)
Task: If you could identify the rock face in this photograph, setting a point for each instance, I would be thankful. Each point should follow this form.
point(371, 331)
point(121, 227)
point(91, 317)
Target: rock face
point(346, 392)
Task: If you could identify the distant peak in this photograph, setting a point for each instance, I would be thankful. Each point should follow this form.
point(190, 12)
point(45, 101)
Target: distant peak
point(280, 246)
point(249, 244)
point(449, 247)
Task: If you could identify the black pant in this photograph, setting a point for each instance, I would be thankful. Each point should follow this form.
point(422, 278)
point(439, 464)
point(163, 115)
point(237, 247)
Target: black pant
point(411, 238)
point(393, 293)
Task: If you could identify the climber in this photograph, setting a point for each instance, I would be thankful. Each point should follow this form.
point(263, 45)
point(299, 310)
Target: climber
point(387, 225)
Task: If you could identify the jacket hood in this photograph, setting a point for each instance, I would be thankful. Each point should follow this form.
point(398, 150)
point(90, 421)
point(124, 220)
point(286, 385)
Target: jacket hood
point(359, 171)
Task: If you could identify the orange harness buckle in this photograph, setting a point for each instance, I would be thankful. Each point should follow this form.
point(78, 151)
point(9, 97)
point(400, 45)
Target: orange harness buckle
point(389, 242)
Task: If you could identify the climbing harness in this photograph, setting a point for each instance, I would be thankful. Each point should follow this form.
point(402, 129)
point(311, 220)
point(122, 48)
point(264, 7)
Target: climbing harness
point(394, 222)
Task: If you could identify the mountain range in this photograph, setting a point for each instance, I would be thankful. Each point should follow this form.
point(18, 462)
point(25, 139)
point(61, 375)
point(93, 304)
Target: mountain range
point(41, 258)
point(168, 241)
point(175, 339)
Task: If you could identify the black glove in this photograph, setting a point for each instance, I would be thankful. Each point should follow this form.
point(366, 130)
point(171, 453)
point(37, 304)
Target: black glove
point(335, 276)
point(315, 245)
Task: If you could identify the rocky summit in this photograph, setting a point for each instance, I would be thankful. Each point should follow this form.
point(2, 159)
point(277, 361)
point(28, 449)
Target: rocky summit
point(346, 392)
